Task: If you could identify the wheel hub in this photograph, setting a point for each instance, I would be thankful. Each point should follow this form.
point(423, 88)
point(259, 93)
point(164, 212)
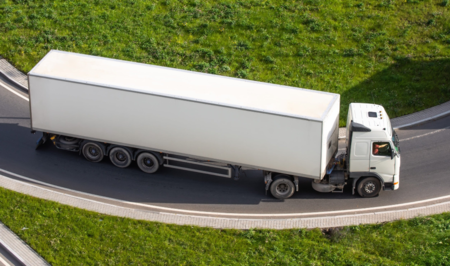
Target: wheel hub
point(93, 151)
point(369, 187)
point(148, 162)
point(282, 188)
point(120, 156)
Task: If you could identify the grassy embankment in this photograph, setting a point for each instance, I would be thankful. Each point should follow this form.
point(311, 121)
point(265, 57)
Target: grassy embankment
point(395, 53)
point(68, 236)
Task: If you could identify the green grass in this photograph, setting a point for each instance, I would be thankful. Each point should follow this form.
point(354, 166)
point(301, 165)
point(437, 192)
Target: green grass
point(69, 236)
point(368, 51)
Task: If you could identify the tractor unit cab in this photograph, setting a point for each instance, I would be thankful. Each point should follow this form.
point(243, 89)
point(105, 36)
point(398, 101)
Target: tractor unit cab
point(372, 158)
point(373, 153)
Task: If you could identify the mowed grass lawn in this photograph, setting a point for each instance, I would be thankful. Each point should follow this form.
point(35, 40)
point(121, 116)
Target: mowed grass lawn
point(390, 52)
point(68, 236)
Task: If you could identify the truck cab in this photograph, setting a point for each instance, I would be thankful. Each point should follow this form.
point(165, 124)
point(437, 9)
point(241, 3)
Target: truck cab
point(373, 153)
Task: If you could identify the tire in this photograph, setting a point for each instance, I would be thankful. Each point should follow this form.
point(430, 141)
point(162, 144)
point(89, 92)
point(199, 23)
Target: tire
point(282, 188)
point(92, 152)
point(147, 162)
point(120, 157)
point(369, 187)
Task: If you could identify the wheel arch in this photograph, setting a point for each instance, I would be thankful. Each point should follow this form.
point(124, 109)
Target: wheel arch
point(276, 176)
point(358, 176)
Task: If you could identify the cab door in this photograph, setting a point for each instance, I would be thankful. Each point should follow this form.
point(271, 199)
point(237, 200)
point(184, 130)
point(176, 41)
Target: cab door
point(380, 160)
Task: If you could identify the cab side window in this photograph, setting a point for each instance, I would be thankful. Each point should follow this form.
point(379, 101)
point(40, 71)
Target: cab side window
point(381, 149)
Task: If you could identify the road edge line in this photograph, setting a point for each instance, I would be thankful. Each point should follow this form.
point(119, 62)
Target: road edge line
point(16, 93)
point(222, 222)
point(209, 214)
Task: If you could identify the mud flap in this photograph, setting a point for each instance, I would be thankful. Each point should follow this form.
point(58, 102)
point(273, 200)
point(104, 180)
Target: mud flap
point(41, 141)
point(267, 180)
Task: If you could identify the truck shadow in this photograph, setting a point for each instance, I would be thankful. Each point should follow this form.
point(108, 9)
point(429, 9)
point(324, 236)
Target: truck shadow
point(405, 87)
point(168, 186)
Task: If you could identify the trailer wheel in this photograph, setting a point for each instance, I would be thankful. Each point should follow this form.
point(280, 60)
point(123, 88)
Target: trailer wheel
point(92, 152)
point(120, 157)
point(147, 162)
point(369, 187)
point(282, 188)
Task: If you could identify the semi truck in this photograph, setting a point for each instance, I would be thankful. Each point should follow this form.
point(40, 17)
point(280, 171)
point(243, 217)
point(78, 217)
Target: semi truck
point(158, 117)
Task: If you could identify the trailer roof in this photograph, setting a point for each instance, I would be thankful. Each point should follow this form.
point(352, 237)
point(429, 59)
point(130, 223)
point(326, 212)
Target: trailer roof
point(184, 84)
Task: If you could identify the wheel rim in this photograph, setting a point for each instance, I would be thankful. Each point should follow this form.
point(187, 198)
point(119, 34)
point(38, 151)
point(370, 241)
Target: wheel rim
point(370, 187)
point(93, 151)
point(148, 162)
point(282, 188)
point(121, 156)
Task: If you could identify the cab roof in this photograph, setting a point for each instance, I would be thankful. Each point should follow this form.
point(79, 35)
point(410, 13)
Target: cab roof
point(188, 85)
point(372, 116)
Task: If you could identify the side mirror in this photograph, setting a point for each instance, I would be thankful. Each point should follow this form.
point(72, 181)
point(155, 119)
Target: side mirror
point(393, 154)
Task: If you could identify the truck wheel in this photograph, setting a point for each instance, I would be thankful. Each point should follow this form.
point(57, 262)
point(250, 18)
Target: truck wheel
point(282, 188)
point(369, 187)
point(92, 152)
point(120, 157)
point(147, 162)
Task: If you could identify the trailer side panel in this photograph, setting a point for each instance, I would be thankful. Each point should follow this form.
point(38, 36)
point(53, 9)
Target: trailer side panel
point(200, 130)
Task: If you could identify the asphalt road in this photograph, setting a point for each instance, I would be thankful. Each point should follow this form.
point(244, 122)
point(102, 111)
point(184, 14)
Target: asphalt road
point(425, 172)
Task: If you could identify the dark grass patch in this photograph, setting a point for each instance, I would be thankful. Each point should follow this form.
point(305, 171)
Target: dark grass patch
point(65, 235)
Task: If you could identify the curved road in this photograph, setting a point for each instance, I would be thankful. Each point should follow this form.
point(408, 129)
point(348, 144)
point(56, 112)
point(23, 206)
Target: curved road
point(424, 174)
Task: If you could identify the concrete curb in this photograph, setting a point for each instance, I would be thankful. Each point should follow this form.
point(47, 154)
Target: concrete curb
point(423, 120)
point(19, 249)
point(215, 222)
point(13, 75)
point(13, 81)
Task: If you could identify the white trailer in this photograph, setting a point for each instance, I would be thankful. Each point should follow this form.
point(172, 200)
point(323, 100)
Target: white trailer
point(163, 116)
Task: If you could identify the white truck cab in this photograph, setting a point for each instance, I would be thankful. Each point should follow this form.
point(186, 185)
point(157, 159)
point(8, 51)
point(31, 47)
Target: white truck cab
point(373, 153)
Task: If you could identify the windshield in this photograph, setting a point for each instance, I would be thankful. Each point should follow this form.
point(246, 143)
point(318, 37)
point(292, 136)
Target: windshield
point(395, 140)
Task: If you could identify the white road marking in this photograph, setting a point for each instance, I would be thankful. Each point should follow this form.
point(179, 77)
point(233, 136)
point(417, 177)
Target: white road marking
point(423, 135)
point(215, 213)
point(16, 93)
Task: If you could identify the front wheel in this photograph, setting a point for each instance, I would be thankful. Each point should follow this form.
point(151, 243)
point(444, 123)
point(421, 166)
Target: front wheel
point(147, 162)
point(369, 187)
point(282, 188)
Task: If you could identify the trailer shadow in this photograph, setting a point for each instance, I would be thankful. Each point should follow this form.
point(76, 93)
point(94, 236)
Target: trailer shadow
point(170, 187)
point(405, 87)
